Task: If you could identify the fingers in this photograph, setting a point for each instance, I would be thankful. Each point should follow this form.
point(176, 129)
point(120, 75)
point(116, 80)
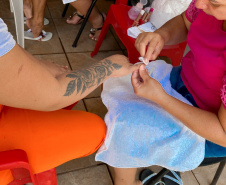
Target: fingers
point(143, 73)
point(141, 43)
point(135, 67)
point(135, 79)
point(157, 50)
point(154, 48)
point(149, 45)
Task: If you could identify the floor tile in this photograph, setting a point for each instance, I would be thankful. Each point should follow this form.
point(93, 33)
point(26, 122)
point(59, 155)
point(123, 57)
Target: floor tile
point(80, 106)
point(96, 106)
point(47, 47)
point(56, 58)
point(125, 52)
point(56, 8)
point(95, 94)
point(205, 174)
point(188, 178)
point(122, 46)
point(104, 5)
point(47, 13)
point(76, 164)
point(5, 9)
point(97, 175)
point(68, 34)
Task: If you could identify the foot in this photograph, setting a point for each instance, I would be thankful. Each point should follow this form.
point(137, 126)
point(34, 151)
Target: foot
point(36, 26)
point(96, 27)
point(27, 7)
point(75, 18)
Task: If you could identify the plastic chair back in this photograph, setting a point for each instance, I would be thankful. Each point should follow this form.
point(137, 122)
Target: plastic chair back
point(118, 17)
point(121, 2)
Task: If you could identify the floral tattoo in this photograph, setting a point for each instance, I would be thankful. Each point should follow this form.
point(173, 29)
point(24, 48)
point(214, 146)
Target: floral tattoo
point(87, 78)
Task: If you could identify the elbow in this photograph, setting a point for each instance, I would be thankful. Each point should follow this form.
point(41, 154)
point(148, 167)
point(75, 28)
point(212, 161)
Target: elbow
point(223, 144)
point(52, 104)
point(223, 140)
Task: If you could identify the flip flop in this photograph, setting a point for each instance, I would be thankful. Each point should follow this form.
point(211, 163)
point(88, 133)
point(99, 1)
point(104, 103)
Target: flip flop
point(94, 30)
point(146, 177)
point(46, 21)
point(77, 14)
point(45, 36)
point(172, 178)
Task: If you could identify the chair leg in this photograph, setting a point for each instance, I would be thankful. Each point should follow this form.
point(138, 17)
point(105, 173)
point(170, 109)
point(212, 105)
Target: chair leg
point(218, 173)
point(19, 20)
point(84, 23)
point(65, 10)
point(103, 33)
point(11, 6)
point(156, 178)
point(47, 178)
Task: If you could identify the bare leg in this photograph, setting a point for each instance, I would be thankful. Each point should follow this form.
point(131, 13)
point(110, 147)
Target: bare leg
point(36, 23)
point(126, 176)
point(95, 18)
point(27, 7)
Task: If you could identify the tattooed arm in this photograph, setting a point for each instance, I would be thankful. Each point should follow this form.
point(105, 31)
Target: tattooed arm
point(26, 83)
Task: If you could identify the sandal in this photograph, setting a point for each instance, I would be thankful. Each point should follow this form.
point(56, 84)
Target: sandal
point(172, 178)
point(44, 36)
point(94, 30)
point(76, 14)
point(146, 177)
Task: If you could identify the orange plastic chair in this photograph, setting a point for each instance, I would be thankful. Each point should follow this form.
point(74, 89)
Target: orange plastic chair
point(118, 17)
point(17, 162)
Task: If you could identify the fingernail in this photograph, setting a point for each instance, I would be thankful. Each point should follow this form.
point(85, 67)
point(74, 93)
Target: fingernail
point(145, 60)
point(142, 67)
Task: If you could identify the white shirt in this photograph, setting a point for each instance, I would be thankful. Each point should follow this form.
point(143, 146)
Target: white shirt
point(6, 39)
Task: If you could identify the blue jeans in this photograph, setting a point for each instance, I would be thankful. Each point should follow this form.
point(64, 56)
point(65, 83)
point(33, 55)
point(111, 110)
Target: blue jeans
point(213, 152)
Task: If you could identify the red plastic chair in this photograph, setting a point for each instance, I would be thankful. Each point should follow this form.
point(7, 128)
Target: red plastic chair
point(17, 162)
point(118, 17)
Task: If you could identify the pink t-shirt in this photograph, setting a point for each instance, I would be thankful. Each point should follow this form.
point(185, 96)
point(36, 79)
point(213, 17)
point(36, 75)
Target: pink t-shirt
point(204, 67)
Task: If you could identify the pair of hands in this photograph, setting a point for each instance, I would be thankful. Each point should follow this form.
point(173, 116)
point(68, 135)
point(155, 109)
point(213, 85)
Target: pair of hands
point(144, 86)
point(149, 46)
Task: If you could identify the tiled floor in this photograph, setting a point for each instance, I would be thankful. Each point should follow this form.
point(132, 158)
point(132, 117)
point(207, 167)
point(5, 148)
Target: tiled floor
point(86, 171)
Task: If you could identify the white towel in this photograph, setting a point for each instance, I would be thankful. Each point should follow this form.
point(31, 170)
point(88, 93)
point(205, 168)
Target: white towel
point(140, 133)
point(135, 31)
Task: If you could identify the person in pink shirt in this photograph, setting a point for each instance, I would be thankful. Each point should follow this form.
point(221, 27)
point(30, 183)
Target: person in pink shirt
point(201, 78)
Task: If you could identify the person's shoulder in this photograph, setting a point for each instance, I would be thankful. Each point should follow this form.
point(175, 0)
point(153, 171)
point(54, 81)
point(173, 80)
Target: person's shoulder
point(223, 91)
point(6, 39)
point(192, 12)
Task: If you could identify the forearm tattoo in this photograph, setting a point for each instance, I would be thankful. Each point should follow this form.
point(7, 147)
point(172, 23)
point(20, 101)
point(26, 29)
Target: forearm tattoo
point(86, 78)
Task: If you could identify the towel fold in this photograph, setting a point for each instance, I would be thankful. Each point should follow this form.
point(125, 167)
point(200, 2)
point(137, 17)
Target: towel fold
point(140, 133)
point(135, 31)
